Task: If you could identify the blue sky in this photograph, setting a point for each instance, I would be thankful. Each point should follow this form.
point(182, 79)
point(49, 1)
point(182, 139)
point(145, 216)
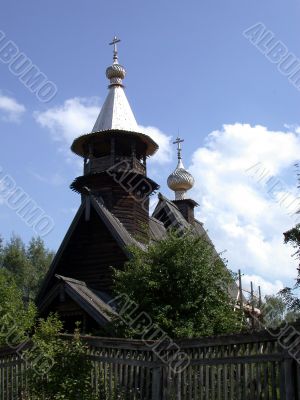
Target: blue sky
point(190, 69)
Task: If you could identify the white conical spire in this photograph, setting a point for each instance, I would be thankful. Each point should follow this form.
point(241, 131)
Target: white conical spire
point(116, 112)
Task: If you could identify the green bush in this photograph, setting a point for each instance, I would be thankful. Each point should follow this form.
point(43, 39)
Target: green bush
point(64, 371)
point(182, 284)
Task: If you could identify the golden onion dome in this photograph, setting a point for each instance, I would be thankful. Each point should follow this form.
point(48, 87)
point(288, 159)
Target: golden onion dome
point(115, 71)
point(180, 179)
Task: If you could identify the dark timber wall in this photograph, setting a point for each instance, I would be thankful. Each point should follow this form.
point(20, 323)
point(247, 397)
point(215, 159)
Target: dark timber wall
point(90, 254)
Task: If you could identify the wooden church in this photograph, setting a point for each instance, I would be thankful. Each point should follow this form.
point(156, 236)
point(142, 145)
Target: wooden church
point(114, 211)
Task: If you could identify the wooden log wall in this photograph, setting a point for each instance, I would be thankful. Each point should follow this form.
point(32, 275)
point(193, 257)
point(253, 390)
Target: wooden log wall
point(91, 253)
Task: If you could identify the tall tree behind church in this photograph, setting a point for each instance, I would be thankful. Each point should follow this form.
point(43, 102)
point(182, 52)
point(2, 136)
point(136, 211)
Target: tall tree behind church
point(26, 263)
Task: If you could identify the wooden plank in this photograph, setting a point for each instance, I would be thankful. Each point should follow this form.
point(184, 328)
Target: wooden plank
point(219, 382)
point(226, 386)
point(298, 380)
point(156, 384)
point(190, 382)
point(282, 382)
point(213, 381)
point(235, 360)
point(266, 374)
point(232, 381)
point(289, 374)
point(273, 381)
point(258, 380)
point(251, 382)
point(207, 387)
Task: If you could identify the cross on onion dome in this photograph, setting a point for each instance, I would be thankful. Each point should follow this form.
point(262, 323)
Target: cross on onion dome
point(114, 43)
point(178, 141)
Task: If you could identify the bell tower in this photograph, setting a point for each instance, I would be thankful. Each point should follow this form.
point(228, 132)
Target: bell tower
point(115, 158)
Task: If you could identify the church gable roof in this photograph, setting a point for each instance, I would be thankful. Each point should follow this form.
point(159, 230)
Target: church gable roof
point(168, 213)
point(157, 230)
point(86, 298)
point(115, 228)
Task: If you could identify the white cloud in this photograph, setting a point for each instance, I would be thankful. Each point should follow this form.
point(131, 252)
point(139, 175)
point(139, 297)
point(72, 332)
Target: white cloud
point(164, 153)
point(70, 120)
point(10, 109)
point(266, 286)
point(238, 207)
point(77, 117)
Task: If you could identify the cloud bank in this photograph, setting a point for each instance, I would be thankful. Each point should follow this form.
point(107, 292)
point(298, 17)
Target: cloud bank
point(240, 212)
point(10, 109)
point(73, 118)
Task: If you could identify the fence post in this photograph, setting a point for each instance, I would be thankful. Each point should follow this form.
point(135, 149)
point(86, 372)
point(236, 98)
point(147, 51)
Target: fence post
point(290, 370)
point(297, 372)
point(157, 383)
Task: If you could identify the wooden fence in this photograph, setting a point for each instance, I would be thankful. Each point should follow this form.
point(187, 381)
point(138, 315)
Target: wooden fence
point(236, 367)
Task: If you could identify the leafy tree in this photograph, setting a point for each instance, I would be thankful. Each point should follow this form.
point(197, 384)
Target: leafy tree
point(14, 259)
point(39, 259)
point(16, 320)
point(273, 311)
point(1, 251)
point(289, 294)
point(28, 264)
point(182, 285)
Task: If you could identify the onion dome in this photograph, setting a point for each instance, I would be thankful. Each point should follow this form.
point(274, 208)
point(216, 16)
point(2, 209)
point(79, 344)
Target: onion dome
point(115, 72)
point(180, 181)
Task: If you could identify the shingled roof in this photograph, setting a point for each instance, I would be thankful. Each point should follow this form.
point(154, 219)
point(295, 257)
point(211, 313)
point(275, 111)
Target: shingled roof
point(114, 225)
point(91, 301)
point(168, 213)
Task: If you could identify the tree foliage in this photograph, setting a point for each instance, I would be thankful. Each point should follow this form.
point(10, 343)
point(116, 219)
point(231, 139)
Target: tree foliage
point(182, 284)
point(275, 311)
point(67, 374)
point(290, 294)
point(16, 319)
point(58, 368)
point(27, 264)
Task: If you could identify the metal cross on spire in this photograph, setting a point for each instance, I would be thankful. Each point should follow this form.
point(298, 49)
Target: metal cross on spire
point(178, 141)
point(114, 43)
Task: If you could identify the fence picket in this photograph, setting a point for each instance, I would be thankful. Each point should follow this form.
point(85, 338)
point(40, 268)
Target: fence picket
point(239, 367)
